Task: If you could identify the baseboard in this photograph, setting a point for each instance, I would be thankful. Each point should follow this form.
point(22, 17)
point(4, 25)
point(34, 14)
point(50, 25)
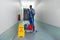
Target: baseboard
point(53, 30)
point(10, 33)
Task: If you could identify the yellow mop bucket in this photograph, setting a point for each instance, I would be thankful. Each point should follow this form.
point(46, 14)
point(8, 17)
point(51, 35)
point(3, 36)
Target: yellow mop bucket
point(21, 32)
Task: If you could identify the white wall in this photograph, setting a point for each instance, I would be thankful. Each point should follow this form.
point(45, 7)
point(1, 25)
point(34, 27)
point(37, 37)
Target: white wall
point(48, 11)
point(8, 14)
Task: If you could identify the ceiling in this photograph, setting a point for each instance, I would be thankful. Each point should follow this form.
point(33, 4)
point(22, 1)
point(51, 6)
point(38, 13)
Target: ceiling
point(26, 3)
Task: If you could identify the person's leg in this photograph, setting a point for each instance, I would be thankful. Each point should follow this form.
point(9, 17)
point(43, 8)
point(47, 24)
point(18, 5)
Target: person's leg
point(32, 23)
point(30, 20)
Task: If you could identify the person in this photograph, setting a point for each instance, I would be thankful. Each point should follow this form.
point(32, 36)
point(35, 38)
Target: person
point(31, 16)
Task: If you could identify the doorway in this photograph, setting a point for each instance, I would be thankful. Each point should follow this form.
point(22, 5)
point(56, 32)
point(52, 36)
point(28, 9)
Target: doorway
point(25, 13)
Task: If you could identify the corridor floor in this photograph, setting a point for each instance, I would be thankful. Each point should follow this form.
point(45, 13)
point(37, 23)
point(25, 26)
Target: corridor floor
point(41, 34)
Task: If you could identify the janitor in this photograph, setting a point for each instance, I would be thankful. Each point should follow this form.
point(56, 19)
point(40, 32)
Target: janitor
point(31, 16)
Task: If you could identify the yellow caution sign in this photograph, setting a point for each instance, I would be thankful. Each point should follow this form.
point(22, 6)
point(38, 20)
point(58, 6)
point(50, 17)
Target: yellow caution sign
point(21, 32)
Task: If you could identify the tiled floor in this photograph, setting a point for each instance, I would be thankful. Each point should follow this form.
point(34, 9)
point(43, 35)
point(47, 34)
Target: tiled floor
point(39, 35)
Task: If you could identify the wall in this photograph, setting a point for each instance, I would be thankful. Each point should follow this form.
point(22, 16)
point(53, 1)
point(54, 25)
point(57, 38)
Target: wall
point(9, 10)
point(10, 33)
point(54, 31)
point(48, 15)
point(48, 11)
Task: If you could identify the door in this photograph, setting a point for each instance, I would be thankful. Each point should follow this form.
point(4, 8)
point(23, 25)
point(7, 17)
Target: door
point(25, 13)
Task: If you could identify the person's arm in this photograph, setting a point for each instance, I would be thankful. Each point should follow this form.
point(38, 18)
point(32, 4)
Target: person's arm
point(33, 12)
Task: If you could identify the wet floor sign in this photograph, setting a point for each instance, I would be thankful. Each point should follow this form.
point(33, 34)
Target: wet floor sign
point(21, 32)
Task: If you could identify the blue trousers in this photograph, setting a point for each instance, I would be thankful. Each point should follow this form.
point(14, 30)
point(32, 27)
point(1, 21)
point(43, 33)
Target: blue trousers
point(31, 20)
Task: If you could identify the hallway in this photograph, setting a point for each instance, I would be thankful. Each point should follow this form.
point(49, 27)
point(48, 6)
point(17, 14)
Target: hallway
point(47, 19)
point(41, 34)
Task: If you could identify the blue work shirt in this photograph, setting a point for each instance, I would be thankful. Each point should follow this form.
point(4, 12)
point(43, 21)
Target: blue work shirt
point(31, 13)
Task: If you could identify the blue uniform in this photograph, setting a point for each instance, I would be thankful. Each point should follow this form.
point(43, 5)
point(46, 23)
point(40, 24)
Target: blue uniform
point(31, 16)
